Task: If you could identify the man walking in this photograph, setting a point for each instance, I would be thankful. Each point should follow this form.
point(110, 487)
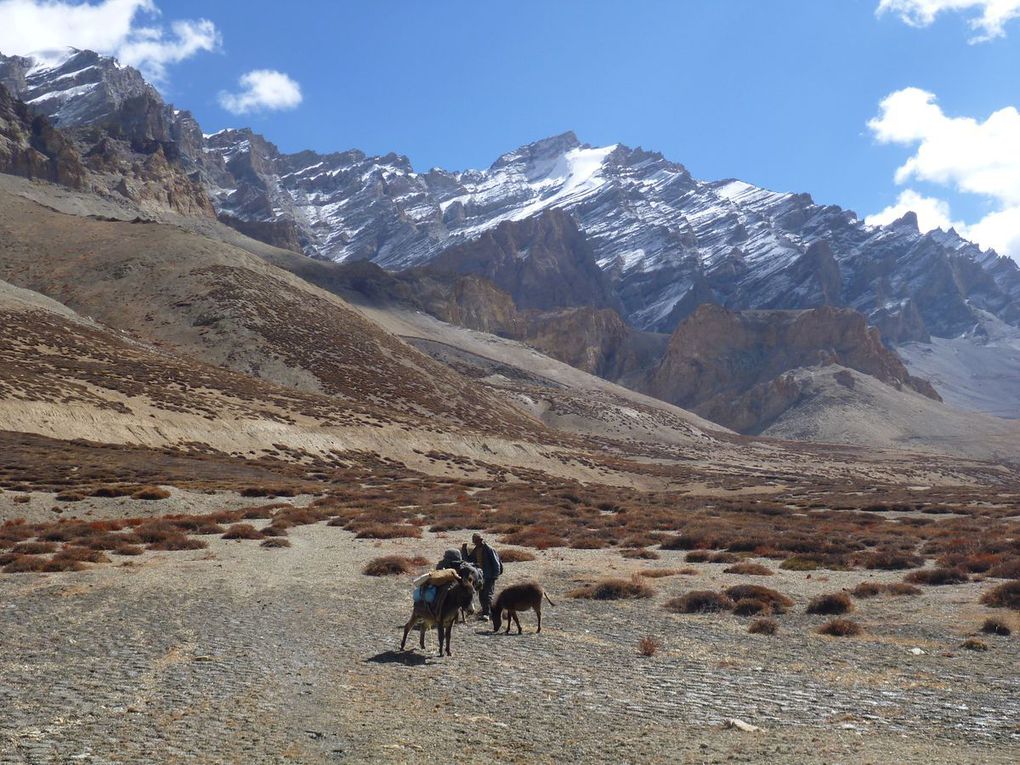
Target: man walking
point(488, 561)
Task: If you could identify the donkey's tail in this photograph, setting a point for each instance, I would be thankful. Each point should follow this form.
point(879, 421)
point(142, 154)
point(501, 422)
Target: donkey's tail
point(546, 594)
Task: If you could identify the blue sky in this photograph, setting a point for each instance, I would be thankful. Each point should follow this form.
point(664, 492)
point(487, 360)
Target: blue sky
point(777, 92)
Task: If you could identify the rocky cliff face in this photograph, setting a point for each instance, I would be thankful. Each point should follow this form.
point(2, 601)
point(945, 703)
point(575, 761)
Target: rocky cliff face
point(543, 262)
point(32, 148)
point(131, 143)
point(732, 367)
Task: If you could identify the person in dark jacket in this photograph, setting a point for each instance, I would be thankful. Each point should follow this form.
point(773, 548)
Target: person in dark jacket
point(488, 561)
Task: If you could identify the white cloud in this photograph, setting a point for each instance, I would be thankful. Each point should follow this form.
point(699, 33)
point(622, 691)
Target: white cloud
point(127, 29)
point(961, 153)
point(931, 212)
point(988, 17)
point(262, 90)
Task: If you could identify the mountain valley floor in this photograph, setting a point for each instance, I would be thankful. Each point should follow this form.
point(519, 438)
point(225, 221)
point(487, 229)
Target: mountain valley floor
point(239, 653)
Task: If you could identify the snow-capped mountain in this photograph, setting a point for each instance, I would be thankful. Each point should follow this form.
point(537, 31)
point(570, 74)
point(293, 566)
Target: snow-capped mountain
point(665, 241)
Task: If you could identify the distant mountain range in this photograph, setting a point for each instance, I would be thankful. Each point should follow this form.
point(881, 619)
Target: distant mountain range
point(556, 225)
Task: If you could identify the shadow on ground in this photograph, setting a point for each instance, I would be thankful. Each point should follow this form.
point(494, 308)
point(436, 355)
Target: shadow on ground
point(407, 658)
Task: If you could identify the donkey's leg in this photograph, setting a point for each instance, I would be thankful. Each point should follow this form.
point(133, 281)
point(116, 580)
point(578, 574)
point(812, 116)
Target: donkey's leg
point(449, 632)
point(538, 613)
point(518, 623)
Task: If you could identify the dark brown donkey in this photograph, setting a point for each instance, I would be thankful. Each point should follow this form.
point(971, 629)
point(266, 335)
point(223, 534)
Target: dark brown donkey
point(448, 604)
point(518, 597)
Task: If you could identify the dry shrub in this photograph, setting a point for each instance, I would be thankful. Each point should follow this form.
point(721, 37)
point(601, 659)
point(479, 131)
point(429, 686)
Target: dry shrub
point(274, 530)
point(640, 553)
point(391, 565)
point(177, 542)
point(33, 548)
point(388, 531)
point(763, 627)
point(996, 627)
point(902, 589)
point(25, 564)
point(151, 493)
point(126, 549)
point(155, 532)
point(1009, 569)
point(831, 604)
point(537, 537)
point(891, 560)
point(937, 577)
point(22, 499)
point(267, 490)
point(658, 573)
point(614, 589)
point(649, 646)
point(1004, 596)
point(242, 531)
point(112, 491)
point(275, 542)
point(973, 644)
point(799, 563)
point(700, 602)
point(81, 555)
point(706, 556)
point(751, 607)
point(511, 555)
point(776, 600)
point(867, 590)
point(70, 496)
point(588, 542)
point(840, 628)
point(749, 569)
point(63, 564)
point(260, 513)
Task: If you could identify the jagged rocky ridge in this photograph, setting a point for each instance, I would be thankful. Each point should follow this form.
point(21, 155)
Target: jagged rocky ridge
point(128, 141)
point(590, 254)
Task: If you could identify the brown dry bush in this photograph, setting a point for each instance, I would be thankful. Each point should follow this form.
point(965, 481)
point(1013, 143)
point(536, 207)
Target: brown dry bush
point(706, 556)
point(1009, 569)
point(151, 493)
point(613, 589)
point(648, 646)
point(81, 554)
point(901, 589)
point(537, 537)
point(840, 628)
point(126, 549)
point(275, 542)
point(177, 542)
point(831, 604)
point(658, 573)
point(70, 496)
point(511, 555)
point(112, 491)
point(890, 560)
point(242, 531)
point(267, 490)
point(154, 532)
point(937, 577)
point(274, 530)
point(387, 531)
point(390, 565)
point(588, 542)
point(748, 569)
point(1004, 596)
point(996, 627)
point(867, 590)
point(973, 644)
point(799, 563)
point(776, 600)
point(640, 554)
point(34, 548)
point(763, 627)
point(751, 607)
point(25, 564)
point(22, 499)
point(57, 564)
point(700, 601)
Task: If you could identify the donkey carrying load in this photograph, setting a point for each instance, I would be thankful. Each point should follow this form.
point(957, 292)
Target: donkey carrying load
point(440, 598)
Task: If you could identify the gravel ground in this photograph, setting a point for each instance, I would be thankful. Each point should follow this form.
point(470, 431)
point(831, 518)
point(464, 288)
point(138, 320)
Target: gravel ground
point(243, 654)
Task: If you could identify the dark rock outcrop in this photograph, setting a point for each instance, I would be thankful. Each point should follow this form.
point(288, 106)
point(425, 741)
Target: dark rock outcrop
point(731, 366)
